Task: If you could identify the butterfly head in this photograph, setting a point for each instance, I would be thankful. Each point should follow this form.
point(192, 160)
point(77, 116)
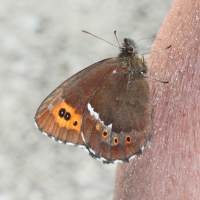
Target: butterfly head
point(128, 48)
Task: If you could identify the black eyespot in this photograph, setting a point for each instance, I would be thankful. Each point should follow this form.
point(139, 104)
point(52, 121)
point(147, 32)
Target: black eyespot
point(62, 112)
point(75, 123)
point(128, 139)
point(67, 116)
point(115, 140)
point(105, 133)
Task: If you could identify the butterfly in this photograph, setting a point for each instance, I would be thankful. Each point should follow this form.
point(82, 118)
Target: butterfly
point(105, 108)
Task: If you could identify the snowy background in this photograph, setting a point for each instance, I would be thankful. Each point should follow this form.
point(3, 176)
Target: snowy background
point(41, 45)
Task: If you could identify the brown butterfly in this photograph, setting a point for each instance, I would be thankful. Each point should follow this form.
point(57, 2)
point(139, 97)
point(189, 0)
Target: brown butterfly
point(105, 108)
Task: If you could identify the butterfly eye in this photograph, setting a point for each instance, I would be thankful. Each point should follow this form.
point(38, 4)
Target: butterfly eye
point(129, 48)
point(128, 139)
point(105, 133)
point(62, 112)
point(115, 140)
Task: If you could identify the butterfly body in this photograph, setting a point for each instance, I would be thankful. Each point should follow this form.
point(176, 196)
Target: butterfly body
point(105, 108)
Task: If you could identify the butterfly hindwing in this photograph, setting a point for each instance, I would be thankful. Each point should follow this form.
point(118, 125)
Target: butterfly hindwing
point(114, 128)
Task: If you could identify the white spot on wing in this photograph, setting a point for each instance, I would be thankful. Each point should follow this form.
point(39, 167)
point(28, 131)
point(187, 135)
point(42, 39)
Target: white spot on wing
point(92, 112)
point(110, 126)
point(36, 125)
point(81, 146)
point(82, 135)
point(98, 159)
point(44, 133)
point(92, 151)
point(132, 157)
point(102, 159)
point(115, 71)
point(96, 115)
point(69, 143)
point(118, 161)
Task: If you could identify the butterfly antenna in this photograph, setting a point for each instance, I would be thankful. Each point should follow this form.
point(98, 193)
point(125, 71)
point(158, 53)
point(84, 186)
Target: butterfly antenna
point(145, 39)
point(115, 32)
point(98, 37)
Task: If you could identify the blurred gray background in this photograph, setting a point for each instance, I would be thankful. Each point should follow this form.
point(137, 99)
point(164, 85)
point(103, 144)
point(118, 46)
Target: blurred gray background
point(41, 45)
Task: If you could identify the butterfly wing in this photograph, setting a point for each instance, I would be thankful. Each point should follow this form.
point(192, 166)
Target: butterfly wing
point(102, 108)
point(60, 114)
point(116, 122)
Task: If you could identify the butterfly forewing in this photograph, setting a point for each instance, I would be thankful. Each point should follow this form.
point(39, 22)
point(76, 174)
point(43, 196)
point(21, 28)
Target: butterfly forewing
point(60, 115)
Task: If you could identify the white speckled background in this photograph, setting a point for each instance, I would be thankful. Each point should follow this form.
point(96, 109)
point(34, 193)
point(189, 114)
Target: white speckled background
point(41, 45)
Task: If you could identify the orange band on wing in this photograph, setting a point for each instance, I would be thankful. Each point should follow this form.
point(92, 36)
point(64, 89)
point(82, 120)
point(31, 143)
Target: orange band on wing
point(66, 117)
